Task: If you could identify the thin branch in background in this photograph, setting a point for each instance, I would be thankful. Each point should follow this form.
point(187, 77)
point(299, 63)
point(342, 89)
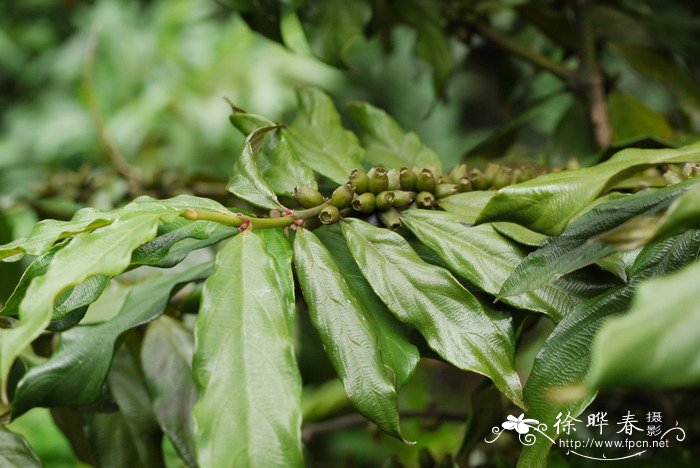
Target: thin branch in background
point(589, 78)
point(313, 430)
point(122, 166)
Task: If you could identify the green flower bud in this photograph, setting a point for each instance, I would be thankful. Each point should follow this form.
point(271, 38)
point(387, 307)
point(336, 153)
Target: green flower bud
point(464, 185)
point(359, 181)
point(691, 170)
point(425, 181)
point(329, 215)
point(445, 190)
point(425, 200)
point(378, 180)
point(394, 180)
point(307, 197)
point(364, 203)
point(503, 178)
point(342, 196)
point(407, 179)
point(403, 198)
point(478, 180)
point(491, 172)
point(390, 218)
point(458, 173)
point(672, 178)
point(384, 200)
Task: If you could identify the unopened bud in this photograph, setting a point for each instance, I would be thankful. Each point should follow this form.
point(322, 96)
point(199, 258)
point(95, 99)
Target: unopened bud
point(378, 180)
point(359, 181)
point(425, 181)
point(491, 172)
point(458, 173)
point(394, 180)
point(390, 218)
point(329, 214)
point(407, 179)
point(445, 190)
point(691, 170)
point(464, 185)
point(403, 198)
point(478, 180)
point(384, 200)
point(342, 196)
point(425, 200)
point(364, 203)
point(308, 197)
point(503, 178)
point(671, 178)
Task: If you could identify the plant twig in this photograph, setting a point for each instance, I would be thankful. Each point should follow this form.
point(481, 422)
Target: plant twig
point(525, 53)
point(242, 221)
point(122, 166)
point(311, 431)
point(589, 78)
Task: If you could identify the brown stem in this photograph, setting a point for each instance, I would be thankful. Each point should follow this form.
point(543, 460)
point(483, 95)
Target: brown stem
point(589, 78)
point(313, 430)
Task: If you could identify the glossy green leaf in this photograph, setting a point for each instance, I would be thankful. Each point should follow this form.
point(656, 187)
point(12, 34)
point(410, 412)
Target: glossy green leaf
point(579, 245)
point(398, 353)
point(166, 356)
point(249, 407)
point(75, 373)
point(467, 205)
point(15, 451)
point(347, 336)
point(386, 143)
point(431, 300)
point(564, 359)
point(318, 136)
point(519, 234)
point(246, 180)
point(486, 259)
point(335, 27)
point(655, 344)
point(105, 252)
point(131, 436)
point(630, 118)
point(547, 203)
point(279, 165)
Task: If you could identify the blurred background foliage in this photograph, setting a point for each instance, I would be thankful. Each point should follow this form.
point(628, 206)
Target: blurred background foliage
point(105, 100)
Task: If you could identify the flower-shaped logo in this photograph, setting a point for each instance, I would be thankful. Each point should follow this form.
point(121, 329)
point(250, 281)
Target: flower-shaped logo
point(520, 424)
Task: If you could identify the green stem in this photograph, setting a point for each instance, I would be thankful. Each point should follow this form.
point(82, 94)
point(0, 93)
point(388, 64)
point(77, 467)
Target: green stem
point(237, 220)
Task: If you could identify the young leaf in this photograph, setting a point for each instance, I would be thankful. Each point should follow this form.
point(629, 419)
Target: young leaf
point(246, 181)
point(547, 203)
point(347, 337)
point(630, 118)
point(386, 143)
point(519, 234)
point(16, 451)
point(431, 300)
point(485, 258)
point(398, 353)
point(280, 166)
point(578, 245)
point(105, 252)
point(467, 205)
point(131, 436)
point(318, 135)
point(649, 349)
point(565, 357)
point(166, 356)
point(249, 407)
point(75, 373)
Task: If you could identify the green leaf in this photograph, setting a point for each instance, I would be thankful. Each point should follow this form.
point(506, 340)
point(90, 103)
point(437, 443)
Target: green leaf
point(246, 180)
point(166, 356)
point(279, 165)
point(432, 42)
point(486, 259)
point(578, 245)
point(519, 234)
point(347, 336)
point(318, 135)
point(249, 407)
point(398, 353)
point(75, 373)
point(467, 205)
point(564, 359)
point(386, 143)
point(104, 252)
point(655, 344)
point(131, 436)
point(630, 118)
point(16, 451)
point(547, 203)
point(431, 300)
point(336, 27)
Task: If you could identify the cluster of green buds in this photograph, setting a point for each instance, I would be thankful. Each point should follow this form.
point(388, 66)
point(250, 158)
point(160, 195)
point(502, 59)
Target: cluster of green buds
point(676, 173)
point(384, 193)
